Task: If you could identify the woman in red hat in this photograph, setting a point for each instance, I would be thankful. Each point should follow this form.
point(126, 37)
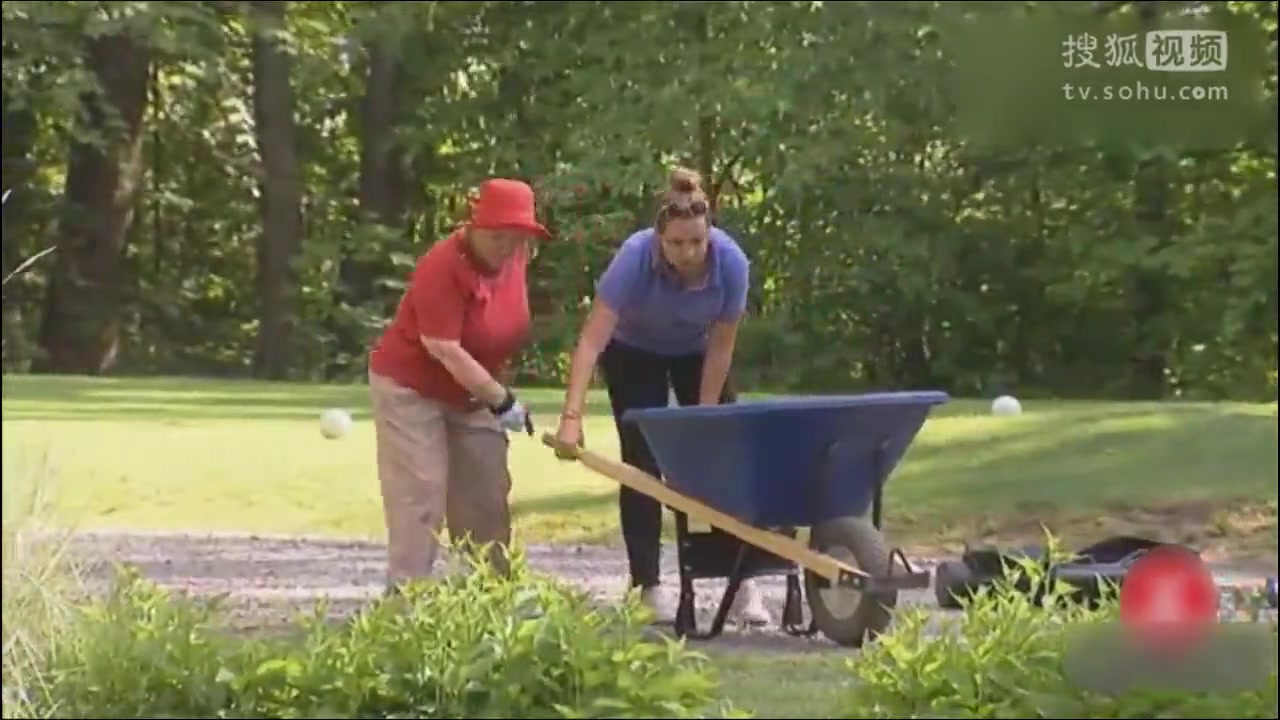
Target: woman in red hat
point(440, 413)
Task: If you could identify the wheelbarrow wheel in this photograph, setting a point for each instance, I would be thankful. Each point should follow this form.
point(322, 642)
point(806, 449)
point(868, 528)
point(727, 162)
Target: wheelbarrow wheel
point(846, 616)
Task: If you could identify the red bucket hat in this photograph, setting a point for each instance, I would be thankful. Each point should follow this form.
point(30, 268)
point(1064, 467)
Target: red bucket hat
point(506, 204)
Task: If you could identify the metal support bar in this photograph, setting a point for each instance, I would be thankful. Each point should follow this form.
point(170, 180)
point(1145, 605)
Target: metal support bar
point(878, 478)
point(700, 556)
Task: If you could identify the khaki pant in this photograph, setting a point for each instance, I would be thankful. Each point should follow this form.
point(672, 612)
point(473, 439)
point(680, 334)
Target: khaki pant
point(438, 466)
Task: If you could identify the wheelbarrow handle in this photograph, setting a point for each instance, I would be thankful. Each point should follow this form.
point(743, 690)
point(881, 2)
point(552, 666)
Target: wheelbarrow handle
point(564, 451)
point(828, 567)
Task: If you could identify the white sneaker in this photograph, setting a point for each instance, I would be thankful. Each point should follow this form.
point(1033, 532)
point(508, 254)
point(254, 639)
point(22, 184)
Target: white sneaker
point(659, 603)
point(748, 605)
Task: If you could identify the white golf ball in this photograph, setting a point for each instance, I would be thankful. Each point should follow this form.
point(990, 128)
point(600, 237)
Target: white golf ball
point(1006, 405)
point(335, 423)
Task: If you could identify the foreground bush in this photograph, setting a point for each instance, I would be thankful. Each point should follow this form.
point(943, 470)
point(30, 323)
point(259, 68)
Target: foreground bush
point(1005, 659)
point(472, 646)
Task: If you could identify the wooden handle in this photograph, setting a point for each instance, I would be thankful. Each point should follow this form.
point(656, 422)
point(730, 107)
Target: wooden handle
point(568, 452)
point(641, 481)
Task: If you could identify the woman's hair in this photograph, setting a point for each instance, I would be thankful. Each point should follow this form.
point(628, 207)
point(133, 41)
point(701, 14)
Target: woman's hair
point(683, 198)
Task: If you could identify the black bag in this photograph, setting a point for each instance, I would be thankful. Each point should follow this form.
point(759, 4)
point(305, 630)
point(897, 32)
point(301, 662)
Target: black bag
point(1095, 567)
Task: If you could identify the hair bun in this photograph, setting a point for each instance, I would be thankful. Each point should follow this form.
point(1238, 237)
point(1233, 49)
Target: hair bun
point(684, 180)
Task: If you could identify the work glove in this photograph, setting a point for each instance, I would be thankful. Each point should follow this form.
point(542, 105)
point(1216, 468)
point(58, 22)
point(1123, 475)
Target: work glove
point(512, 415)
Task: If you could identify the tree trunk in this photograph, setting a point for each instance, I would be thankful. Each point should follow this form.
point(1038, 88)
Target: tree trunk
point(18, 165)
point(79, 331)
point(383, 182)
point(382, 160)
point(1150, 292)
point(281, 193)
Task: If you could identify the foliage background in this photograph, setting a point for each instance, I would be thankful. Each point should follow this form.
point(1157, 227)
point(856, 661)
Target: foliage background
point(240, 189)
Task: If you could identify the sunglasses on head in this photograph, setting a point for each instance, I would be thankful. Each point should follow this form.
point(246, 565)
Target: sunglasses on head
point(685, 208)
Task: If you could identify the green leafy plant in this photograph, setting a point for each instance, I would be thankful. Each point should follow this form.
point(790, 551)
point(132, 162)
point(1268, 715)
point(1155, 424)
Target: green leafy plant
point(477, 644)
point(1003, 657)
point(139, 652)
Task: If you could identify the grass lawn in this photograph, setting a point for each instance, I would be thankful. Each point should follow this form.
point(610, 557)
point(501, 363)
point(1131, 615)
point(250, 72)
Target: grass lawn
point(204, 454)
point(795, 685)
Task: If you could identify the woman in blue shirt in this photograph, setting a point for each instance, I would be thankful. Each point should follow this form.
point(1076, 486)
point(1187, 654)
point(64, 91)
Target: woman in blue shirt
point(665, 319)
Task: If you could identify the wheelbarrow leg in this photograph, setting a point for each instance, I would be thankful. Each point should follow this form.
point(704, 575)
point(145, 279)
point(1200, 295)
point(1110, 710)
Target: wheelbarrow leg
point(686, 622)
point(793, 611)
point(731, 592)
point(715, 554)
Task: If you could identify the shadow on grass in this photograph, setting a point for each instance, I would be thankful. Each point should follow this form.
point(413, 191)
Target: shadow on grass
point(964, 466)
point(178, 399)
point(574, 502)
point(1179, 476)
point(1096, 456)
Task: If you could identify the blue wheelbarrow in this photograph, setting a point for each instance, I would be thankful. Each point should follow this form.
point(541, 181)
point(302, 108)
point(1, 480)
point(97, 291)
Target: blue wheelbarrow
point(757, 472)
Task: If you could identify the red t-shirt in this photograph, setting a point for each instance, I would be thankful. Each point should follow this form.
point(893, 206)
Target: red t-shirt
point(450, 298)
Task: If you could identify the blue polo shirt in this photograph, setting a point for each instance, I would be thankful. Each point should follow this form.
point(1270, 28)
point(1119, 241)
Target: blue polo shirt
point(655, 312)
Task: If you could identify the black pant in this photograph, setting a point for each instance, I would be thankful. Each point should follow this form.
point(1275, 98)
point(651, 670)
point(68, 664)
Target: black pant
point(639, 379)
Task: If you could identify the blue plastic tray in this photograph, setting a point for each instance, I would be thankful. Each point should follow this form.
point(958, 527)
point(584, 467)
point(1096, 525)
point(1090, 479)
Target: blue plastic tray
point(789, 462)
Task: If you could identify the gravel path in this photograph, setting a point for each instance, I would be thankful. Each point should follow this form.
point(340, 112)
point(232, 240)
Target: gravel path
point(269, 579)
